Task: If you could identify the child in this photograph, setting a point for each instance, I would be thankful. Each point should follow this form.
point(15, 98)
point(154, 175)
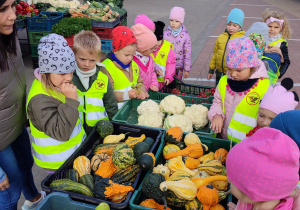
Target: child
point(279, 31)
point(122, 72)
point(52, 105)
point(97, 99)
point(236, 100)
point(164, 56)
point(143, 19)
point(233, 30)
point(146, 44)
point(263, 172)
point(177, 34)
point(275, 101)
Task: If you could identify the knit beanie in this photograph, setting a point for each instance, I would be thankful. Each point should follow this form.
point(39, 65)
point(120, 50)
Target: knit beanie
point(241, 53)
point(259, 43)
point(159, 30)
point(145, 38)
point(177, 13)
point(55, 55)
point(260, 28)
point(143, 19)
point(122, 36)
point(264, 166)
point(236, 16)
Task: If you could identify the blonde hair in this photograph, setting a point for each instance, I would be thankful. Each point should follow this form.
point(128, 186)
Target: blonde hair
point(88, 41)
point(49, 86)
point(286, 30)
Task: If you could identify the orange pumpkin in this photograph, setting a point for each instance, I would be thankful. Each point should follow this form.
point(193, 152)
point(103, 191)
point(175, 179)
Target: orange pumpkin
point(174, 135)
point(106, 169)
point(221, 155)
point(217, 207)
point(208, 196)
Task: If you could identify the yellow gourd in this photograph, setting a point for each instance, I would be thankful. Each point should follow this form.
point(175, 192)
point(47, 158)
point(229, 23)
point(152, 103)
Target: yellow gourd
point(176, 164)
point(114, 138)
point(82, 165)
point(207, 157)
point(191, 138)
point(183, 189)
point(220, 185)
point(213, 167)
point(170, 148)
point(199, 182)
point(179, 175)
point(163, 170)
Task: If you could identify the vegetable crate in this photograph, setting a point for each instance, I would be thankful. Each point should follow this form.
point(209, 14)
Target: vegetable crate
point(35, 36)
point(38, 23)
point(87, 148)
point(103, 33)
point(123, 19)
point(34, 50)
point(212, 143)
point(128, 114)
point(106, 45)
point(20, 23)
point(97, 23)
point(62, 201)
point(35, 62)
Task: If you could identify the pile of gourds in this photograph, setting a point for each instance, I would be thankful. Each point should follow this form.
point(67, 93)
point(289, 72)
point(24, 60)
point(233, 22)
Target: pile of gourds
point(192, 177)
point(113, 168)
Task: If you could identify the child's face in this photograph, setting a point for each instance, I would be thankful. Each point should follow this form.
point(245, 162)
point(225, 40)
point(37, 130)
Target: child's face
point(149, 51)
point(125, 55)
point(85, 60)
point(264, 117)
point(175, 24)
point(239, 194)
point(58, 79)
point(274, 29)
point(239, 74)
point(232, 28)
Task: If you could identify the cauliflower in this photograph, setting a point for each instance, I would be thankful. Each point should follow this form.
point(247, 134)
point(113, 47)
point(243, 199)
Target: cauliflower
point(172, 105)
point(197, 113)
point(179, 120)
point(148, 106)
point(151, 119)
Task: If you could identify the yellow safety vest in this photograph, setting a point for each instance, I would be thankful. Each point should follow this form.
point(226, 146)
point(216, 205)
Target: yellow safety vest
point(48, 152)
point(121, 82)
point(91, 103)
point(277, 43)
point(244, 117)
point(161, 58)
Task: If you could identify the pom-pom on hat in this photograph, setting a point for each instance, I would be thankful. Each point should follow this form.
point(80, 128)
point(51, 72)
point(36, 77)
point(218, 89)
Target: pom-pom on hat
point(159, 30)
point(264, 166)
point(241, 53)
point(145, 38)
point(143, 19)
point(177, 13)
point(236, 16)
point(122, 37)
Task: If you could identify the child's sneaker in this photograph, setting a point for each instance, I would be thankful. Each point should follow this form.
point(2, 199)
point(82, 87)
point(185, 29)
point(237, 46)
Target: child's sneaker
point(28, 205)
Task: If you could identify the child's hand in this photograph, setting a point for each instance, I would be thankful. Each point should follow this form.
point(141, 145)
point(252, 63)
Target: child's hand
point(231, 206)
point(186, 74)
point(167, 81)
point(160, 73)
point(4, 184)
point(209, 76)
point(154, 88)
point(132, 93)
point(217, 124)
point(296, 198)
point(69, 90)
point(142, 95)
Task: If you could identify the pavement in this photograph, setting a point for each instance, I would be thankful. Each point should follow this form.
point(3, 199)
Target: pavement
point(204, 20)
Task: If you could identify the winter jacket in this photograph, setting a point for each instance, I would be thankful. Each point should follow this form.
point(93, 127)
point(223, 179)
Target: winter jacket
point(182, 48)
point(285, 65)
point(147, 72)
point(232, 101)
point(218, 60)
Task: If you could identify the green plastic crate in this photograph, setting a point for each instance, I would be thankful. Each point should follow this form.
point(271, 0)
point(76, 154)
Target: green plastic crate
point(35, 36)
point(34, 50)
point(128, 115)
point(124, 22)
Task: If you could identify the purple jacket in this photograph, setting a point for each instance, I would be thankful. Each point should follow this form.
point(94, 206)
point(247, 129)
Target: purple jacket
point(182, 48)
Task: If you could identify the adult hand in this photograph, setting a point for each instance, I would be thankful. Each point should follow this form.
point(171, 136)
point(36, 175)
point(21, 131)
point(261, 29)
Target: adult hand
point(142, 95)
point(132, 93)
point(186, 74)
point(69, 90)
point(167, 81)
point(4, 184)
point(217, 124)
point(154, 88)
point(209, 76)
point(159, 73)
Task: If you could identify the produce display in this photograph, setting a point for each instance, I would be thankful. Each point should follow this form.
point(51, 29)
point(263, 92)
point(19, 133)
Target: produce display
point(205, 94)
point(24, 10)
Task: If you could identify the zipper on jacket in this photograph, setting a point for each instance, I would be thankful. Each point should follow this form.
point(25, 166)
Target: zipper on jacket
point(224, 54)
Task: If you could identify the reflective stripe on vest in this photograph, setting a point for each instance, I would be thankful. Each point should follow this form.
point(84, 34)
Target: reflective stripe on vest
point(244, 117)
point(121, 82)
point(162, 57)
point(48, 152)
point(273, 77)
point(277, 41)
point(91, 103)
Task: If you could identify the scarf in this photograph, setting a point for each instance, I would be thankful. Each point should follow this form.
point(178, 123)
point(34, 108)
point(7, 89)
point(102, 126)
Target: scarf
point(84, 76)
point(176, 32)
point(241, 86)
point(273, 38)
point(113, 56)
point(285, 204)
point(142, 58)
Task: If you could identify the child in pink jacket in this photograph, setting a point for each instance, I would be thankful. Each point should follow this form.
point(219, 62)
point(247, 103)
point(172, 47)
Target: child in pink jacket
point(146, 44)
point(237, 97)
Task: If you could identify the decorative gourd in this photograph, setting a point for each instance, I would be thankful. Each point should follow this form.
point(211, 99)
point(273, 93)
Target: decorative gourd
point(106, 169)
point(163, 170)
point(173, 135)
point(221, 155)
point(131, 141)
point(179, 175)
point(181, 145)
point(217, 207)
point(207, 157)
point(105, 148)
point(73, 175)
point(169, 148)
point(114, 138)
point(184, 189)
point(191, 163)
point(200, 174)
point(176, 164)
point(223, 195)
point(191, 138)
point(82, 165)
point(151, 203)
point(123, 156)
point(87, 180)
point(149, 141)
point(104, 128)
point(117, 192)
point(199, 182)
point(97, 159)
point(193, 205)
point(173, 200)
point(205, 147)
point(224, 171)
point(100, 184)
point(194, 151)
point(125, 175)
point(150, 187)
point(208, 196)
point(220, 185)
point(213, 167)
point(139, 149)
point(147, 161)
